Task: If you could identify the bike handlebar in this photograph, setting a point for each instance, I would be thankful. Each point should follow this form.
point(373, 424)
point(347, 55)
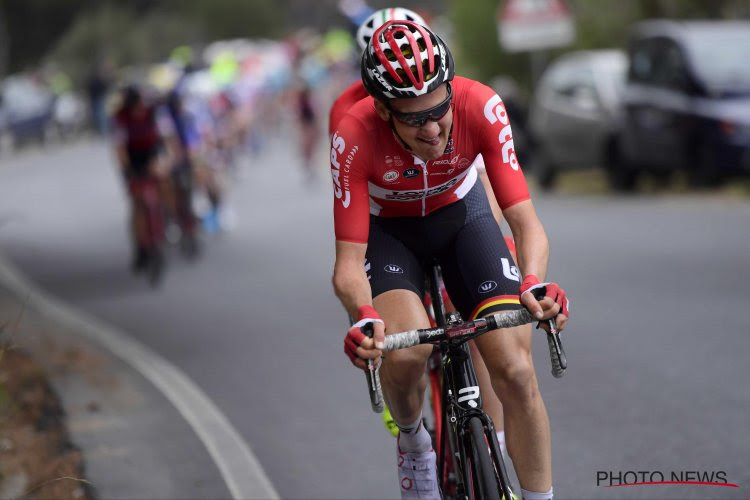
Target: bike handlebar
point(469, 329)
point(463, 331)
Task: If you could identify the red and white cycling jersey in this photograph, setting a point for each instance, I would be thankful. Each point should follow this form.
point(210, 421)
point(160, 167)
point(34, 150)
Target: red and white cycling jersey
point(348, 98)
point(374, 174)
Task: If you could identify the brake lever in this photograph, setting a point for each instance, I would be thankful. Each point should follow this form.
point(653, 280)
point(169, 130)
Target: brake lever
point(373, 377)
point(556, 351)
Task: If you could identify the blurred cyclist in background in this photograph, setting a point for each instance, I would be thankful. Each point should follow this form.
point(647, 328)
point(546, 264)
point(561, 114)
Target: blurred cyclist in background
point(188, 142)
point(140, 131)
point(355, 93)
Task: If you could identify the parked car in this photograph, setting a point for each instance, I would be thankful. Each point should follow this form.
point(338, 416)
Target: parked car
point(687, 100)
point(27, 111)
point(575, 113)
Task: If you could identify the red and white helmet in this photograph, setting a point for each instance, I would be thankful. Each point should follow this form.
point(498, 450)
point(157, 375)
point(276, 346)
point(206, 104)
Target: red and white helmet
point(382, 16)
point(404, 59)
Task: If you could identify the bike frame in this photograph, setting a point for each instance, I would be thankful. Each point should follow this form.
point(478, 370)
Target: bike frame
point(459, 401)
point(458, 413)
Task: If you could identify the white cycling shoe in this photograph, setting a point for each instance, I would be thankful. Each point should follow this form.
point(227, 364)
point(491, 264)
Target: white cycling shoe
point(417, 475)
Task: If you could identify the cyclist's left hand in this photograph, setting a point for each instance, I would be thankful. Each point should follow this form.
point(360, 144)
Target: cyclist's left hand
point(545, 301)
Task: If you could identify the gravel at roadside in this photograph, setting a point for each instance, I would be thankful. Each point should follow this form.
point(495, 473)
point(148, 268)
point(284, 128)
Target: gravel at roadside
point(133, 442)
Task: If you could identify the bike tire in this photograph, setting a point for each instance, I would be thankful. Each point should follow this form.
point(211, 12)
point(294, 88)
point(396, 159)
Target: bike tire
point(482, 465)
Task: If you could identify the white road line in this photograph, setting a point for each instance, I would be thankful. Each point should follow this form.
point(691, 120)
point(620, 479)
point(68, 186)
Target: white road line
point(238, 465)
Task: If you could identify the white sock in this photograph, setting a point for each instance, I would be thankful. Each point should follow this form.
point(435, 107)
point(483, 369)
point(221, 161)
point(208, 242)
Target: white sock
point(501, 440)
point(535, 495)
point(413, 437)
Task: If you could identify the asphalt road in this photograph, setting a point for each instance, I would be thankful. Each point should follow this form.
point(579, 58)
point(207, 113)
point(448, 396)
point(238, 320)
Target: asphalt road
point(657, 344)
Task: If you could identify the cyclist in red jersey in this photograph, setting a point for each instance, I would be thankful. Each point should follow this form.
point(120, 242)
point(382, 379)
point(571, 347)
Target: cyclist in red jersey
point(355, 93)
point(405, 192)
point(139, 134)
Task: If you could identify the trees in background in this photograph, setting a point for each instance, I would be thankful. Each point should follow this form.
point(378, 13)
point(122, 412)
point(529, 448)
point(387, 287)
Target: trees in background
point(599, 24)
point(3, 42)
point(77, 33)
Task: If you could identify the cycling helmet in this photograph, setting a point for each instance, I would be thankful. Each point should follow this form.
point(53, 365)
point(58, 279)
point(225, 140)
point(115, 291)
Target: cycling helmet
point(380, 17)
point(131, 96)
point(403, 60)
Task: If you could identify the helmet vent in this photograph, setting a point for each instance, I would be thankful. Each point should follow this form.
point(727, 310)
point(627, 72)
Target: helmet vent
point(405, 59)
point(426, 69)
point(406, 51)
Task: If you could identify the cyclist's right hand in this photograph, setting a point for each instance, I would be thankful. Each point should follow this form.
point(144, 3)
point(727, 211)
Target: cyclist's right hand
point(358, 346)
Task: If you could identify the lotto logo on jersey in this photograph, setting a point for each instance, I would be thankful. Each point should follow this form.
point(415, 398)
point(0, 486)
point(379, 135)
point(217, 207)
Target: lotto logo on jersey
point(494, 111)
point(341, 192)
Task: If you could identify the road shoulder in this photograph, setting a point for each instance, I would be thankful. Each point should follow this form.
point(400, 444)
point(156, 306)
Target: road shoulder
point(133, 441)
point(152, 429)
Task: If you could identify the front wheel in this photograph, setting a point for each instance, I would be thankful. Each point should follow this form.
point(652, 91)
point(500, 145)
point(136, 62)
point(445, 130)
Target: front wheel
point(484, 483)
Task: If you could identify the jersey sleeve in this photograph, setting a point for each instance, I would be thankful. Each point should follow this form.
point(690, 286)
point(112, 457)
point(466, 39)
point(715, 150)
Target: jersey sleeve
point(491, 128)
point(349, 170)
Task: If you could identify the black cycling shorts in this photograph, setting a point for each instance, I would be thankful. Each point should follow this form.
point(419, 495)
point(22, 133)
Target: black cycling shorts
point(140, 161)
point(464, 238)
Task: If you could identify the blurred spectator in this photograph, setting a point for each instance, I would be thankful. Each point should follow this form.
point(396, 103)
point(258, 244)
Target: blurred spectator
point(309, 128)
point(97, 86)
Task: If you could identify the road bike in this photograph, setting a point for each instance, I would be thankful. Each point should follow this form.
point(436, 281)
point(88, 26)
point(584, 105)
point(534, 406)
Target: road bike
point(470, 463)
point(150, 209)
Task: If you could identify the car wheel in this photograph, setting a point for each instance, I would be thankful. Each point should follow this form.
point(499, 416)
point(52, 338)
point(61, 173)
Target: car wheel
point(49, 134)
point(704, 170)
point(621, 173)
point(546, 171)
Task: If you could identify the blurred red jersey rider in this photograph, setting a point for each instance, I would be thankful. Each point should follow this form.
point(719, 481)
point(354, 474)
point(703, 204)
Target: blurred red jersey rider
point(139, 133)
point(405, 192)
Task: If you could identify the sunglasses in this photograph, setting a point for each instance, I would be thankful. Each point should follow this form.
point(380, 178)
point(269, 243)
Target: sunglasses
point(419, 118)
